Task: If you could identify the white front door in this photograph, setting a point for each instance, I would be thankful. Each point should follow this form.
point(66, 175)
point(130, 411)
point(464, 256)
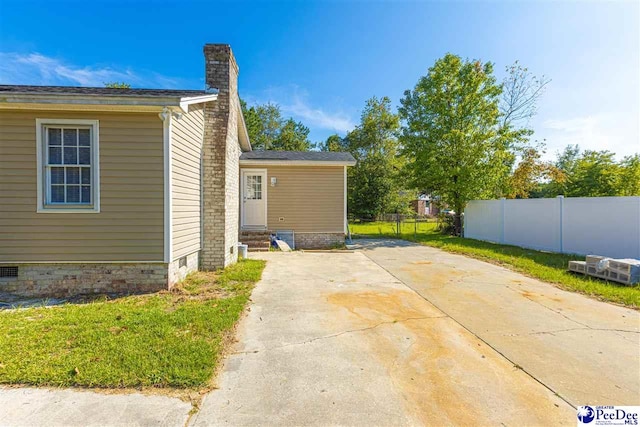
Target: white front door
point(254, 199)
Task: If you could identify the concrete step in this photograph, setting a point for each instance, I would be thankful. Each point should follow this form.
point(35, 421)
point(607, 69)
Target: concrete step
point(255, 242)
point(252, 237)
point(255, 232)
point(250, 249)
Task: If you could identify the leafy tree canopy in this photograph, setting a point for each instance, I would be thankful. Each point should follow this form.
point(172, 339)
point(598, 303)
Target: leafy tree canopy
point(375, 186)
point(452, 136)
point(334, 143)
point(529, 173)
point(593, 174)
point(117, 85)
point(268, 130)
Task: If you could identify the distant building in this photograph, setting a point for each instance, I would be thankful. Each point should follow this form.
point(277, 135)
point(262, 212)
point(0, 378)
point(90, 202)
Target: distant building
point(425, 205)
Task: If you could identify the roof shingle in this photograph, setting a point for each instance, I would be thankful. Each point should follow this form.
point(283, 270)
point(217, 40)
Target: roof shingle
point(312, 156)
point(97, 91)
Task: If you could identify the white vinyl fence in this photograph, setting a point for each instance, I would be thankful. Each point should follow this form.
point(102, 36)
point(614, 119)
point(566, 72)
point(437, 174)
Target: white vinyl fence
point(607, 226)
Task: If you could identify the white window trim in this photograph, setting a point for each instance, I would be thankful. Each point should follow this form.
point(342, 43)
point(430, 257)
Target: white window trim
point(95, 166)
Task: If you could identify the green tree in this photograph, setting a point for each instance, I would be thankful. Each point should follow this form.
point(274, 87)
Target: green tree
point(374, 185)
point(293, 136)
point(117, 85)
point(593, 174)
point(334, 143)
point(268, 130)
point(451, 133)
point(530, 172)
point(263, 124)
point(630, 176)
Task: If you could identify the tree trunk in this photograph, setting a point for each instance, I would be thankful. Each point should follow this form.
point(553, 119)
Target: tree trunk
point(457, 224)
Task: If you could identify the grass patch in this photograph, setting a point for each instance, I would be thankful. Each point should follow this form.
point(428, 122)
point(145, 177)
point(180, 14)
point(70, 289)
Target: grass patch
point(547, 266)
point(168, 339)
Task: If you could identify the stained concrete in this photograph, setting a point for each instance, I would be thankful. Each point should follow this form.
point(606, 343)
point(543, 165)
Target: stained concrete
point(586, 350)
point(44, 407)
point(334, 339)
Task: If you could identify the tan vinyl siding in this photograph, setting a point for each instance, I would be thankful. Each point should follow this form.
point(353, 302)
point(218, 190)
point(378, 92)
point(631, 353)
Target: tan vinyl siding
point(309, 198)
point(129, 226)
point(186, 139)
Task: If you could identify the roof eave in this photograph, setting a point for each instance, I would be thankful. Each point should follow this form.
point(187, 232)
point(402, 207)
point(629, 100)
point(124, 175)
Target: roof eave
point(190, 100)
point(105, 100)
point(243, 137)
point(270, 162)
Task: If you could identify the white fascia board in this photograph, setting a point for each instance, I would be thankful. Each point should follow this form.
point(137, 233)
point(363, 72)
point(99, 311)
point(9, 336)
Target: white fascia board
point(185, 102)
point(258, 162)
point(84, 99)
point(245, 143)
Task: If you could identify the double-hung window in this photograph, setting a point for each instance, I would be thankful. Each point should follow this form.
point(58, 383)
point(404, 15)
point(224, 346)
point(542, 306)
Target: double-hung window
point(68, 178)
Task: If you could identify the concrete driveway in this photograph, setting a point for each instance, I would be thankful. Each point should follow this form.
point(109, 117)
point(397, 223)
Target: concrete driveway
point(400, 334)
point(585, 350)
point(392, 334)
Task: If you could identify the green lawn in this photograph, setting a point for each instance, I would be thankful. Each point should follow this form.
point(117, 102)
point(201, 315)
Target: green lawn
point(167, 339)
point(547, 266)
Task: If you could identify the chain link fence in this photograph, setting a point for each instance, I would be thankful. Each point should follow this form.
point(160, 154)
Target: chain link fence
point(395, 224)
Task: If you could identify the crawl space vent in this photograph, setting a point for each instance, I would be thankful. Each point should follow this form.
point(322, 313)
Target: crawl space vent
point(8, 271)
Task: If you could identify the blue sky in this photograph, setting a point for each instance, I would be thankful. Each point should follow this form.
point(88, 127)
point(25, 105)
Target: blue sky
point(321, 60)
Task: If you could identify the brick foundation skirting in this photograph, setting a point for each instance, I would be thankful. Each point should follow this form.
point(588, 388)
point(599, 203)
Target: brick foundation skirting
point(318, 240)
point(64, 280)
point(177, 273)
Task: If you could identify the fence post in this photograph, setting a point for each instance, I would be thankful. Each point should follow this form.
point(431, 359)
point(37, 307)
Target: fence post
point(561, 207)
point(503, 202)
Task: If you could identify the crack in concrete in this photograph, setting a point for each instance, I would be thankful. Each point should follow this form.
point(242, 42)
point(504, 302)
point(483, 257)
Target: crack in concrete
point(584, 325)
point(573, 329)
point(548, 308)
point(349, 331)
point(533, 377)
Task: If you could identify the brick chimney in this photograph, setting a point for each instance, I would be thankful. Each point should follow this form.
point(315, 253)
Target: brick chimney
point(220, 163)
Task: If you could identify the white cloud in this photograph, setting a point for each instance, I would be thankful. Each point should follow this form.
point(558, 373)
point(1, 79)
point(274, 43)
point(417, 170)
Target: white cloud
point(604, 131)
point(336, 121)
point(295, 102)
point(38, 69)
